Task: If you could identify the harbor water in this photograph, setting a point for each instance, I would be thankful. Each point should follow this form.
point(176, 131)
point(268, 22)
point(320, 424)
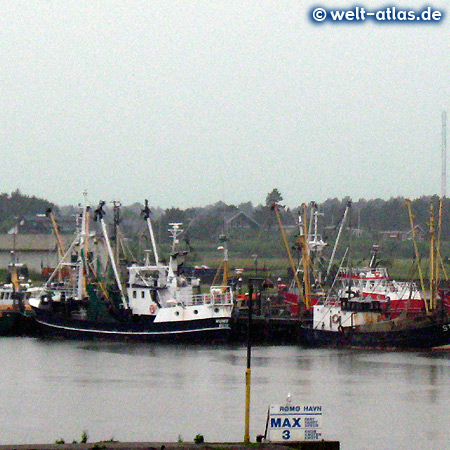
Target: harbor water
point(141, 392)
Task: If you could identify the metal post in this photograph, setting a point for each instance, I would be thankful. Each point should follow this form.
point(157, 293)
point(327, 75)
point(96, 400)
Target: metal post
point(444, 155)
point(248, 371)
point(255, 258)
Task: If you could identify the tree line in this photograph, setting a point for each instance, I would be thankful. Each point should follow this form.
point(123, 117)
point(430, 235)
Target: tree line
point(369, 217)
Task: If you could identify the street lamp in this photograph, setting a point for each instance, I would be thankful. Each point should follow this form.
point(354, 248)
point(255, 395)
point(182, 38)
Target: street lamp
point(255, 257)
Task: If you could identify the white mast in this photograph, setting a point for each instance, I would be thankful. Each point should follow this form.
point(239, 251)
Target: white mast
point(146, 215)
point(100, 213)
point(80, 284)
point(174, 233)
point(338, 237)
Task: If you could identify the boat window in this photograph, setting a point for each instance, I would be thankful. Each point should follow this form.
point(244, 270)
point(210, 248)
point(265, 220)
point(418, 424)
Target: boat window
point(143, 294)
point(134, 294)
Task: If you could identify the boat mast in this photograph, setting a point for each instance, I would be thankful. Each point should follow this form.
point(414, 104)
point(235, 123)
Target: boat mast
point(99, 213)
point(174, 232)
point(373, 259)
point(146, 215)
point(416, 250)
point(275, 207)
point(49, 213)
point(316, 214)
point(311, 217)
point(81, 268)
point(347, 208)
point(226, 270)
point(305, 258)
point(223, 238)
point(432, 260)
point(14, 275)
point(116, 222)
point(439, 262)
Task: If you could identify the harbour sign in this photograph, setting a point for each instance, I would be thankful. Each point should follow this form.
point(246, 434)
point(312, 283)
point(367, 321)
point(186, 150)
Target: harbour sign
point(294, 423)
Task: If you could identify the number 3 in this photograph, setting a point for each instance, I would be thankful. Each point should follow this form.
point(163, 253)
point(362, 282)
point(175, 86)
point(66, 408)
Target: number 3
point(286, 434)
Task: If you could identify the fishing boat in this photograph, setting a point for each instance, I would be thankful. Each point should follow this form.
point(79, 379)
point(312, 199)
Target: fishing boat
point(363, 321)
point(311, 246)
point(156, 303)
point(14, 307)
point(373, 282)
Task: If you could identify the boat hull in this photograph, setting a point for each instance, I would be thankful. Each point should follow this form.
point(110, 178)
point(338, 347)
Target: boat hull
point(208, 329)
point(14, 323)
point(418, 334)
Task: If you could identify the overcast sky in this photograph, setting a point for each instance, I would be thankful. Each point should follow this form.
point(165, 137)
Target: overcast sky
point(190, 102)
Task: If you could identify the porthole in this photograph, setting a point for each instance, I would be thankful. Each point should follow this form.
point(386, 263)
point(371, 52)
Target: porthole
point(195, 311)
point(216, 310)
point(177, 313)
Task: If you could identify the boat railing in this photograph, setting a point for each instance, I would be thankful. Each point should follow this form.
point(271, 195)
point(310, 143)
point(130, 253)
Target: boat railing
point(220, 296)
point(369, 273)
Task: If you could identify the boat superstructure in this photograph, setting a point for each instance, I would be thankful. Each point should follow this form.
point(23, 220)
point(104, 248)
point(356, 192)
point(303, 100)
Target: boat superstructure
point(156, 302)
point(359, 311)
point(14, 296)
point(374, 283)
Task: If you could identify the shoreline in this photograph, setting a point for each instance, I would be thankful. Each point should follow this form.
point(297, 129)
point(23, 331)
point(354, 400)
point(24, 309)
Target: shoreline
point(106, 445)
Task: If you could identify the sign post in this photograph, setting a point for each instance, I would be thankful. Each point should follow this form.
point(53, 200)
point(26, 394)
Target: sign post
point(301, 422)
point(249, 359)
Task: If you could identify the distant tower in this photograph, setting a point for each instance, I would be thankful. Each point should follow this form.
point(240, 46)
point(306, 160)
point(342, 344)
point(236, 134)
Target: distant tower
point(444, 154)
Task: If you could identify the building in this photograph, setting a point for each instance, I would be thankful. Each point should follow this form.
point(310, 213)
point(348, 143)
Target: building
point(37, 251)
point(34, 250)
point(405, 235)
point(240, 221)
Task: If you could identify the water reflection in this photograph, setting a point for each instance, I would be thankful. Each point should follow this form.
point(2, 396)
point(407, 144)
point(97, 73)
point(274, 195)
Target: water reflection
point(140, 392)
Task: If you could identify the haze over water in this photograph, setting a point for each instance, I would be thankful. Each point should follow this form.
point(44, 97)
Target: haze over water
point(141, 392)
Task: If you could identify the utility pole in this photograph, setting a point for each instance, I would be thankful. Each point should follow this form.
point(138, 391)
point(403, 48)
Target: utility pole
point(444, 155)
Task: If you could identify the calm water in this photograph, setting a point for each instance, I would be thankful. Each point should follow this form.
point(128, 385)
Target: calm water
point(141, 392)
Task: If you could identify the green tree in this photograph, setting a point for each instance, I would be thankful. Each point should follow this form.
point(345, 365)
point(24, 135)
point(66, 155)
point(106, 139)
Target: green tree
point(273, 197)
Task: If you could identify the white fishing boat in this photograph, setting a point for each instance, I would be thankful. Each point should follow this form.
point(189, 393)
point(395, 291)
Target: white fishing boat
point(373, 283)
point(156, 303)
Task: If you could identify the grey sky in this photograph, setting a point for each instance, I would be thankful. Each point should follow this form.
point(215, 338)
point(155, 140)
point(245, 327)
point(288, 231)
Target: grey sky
point(191, 102)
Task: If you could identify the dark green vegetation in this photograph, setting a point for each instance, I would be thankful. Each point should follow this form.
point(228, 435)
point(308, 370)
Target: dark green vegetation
point(254, 240)
point(15, 207)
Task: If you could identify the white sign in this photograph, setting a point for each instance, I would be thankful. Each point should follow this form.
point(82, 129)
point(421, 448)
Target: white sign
point(294, 423)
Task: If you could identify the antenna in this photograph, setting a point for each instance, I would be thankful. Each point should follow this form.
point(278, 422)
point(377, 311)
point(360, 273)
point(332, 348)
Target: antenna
point(444, 154)
point(174, 232)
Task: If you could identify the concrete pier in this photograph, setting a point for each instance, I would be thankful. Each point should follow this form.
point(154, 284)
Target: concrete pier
point(108, 445)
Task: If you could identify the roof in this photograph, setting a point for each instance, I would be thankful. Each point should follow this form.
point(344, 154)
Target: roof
point(31, 242)
point(245, 216)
